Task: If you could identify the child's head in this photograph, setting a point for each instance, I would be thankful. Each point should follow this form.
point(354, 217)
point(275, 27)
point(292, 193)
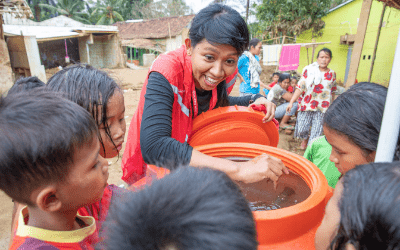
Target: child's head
point(26, 83)
point(49, 152)
point(363, 212)
point(255, 46)
point(275, 76)
point(352, 124)
point(189, 209)
point(99, 94)
point(284, 80)
point(293, 81)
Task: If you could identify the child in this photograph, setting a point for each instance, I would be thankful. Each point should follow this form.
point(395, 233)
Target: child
point(99, 94)
point(316, 90)
point(363, 211)
point(275, 78)
point(50, 161)
point(318, 152)
point(293, 84)
point(189, 209)
point(26, 83)
point(280, 97)
point(352, 124)
point(89, 88)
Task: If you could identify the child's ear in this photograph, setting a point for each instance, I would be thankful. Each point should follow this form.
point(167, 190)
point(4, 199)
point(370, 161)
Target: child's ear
point(47, 199)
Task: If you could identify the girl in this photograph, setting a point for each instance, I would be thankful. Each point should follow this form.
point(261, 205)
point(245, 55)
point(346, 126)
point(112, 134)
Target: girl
point(180, 86)
point(316, 91)
point(99, 94)
point(352, 124)
point(363, 211)
point(250, 69)
point(293, 84)
point(280, 96)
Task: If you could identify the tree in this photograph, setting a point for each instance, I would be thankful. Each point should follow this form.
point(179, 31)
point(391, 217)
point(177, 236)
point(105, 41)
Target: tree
point(165, 8)
point(106, 12)
point(292, 17)
point(70, 8)
point(38, 13)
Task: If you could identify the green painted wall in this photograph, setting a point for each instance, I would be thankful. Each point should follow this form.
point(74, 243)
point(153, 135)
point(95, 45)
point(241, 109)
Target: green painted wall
point(344, 19)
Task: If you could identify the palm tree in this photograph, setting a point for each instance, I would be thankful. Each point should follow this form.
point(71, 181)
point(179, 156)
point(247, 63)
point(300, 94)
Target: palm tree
point(70, 8)
point(107, 12)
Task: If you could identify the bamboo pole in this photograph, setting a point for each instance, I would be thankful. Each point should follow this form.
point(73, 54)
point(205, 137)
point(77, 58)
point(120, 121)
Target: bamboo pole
point(308, 58)
point(376, 42)
point(280, 54)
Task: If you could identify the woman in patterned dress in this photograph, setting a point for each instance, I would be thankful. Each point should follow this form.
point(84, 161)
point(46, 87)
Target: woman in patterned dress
point(315, 91)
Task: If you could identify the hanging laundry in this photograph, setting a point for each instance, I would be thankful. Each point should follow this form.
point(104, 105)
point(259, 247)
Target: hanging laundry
point(290, 56)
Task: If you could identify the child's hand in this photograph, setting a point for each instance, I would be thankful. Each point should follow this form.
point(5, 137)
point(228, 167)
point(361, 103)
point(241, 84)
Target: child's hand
point(260, 168)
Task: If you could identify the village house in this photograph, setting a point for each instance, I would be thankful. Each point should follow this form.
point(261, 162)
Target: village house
point(341, 25)
point(155, 36)
point(18, 9)
point(36, 46)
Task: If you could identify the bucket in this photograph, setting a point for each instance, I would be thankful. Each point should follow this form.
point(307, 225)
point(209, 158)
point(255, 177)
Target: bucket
point(292, 227)
point(233, 124)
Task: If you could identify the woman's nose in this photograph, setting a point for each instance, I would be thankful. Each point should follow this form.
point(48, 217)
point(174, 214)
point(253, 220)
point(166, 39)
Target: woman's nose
point(217, 70)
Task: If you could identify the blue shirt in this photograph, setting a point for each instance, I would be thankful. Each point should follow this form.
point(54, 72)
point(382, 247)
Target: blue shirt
point(243, 66)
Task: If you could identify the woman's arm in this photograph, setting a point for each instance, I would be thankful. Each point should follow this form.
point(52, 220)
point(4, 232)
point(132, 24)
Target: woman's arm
point(287, 96)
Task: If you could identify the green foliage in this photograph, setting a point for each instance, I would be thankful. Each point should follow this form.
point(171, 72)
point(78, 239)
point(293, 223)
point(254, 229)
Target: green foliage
point(39, 13)
point(165, 8)
point(107, 12)
point(70, 8)
point(291, 17)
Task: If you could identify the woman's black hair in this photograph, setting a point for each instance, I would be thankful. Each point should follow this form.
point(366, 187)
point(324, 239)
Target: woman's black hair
point(369, 208)
point(254, 42)
point(283, 77)
point(327, 51)
point(90, 88)
point(357, 114)
point(220, 24)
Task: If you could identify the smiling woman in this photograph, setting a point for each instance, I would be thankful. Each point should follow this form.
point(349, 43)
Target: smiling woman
point(185, 83)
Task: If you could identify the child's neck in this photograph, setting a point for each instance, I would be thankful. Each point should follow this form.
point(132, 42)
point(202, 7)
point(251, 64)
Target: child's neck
point(56, 221)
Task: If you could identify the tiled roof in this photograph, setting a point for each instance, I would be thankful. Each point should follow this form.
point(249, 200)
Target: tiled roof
point(154, 28)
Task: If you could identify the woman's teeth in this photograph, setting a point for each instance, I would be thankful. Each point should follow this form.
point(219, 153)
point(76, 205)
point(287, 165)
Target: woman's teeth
point(210, 81)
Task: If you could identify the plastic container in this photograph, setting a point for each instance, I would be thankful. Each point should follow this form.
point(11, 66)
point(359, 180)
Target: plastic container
point(233, 124)
point(292, 227)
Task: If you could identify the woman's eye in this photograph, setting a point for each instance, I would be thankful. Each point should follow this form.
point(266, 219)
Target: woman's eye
point(208, 57)
point(231, 61)
point(95, 165)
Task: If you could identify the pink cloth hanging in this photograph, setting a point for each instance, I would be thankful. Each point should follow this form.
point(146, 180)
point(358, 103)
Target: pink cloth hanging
point(290, 57)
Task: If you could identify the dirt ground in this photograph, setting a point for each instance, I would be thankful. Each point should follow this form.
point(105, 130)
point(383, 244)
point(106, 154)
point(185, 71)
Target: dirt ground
point(131, 81)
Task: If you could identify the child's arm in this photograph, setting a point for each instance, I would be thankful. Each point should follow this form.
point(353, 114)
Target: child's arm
point(268, 87)
point(240, 77)
point(295, 96)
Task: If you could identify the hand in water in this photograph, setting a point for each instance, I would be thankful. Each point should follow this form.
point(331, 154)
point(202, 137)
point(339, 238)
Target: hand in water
point(260, 168)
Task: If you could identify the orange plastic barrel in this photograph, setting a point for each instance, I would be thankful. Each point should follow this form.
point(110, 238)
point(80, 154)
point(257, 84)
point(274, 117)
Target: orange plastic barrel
point(292, 227)
point(233, 124)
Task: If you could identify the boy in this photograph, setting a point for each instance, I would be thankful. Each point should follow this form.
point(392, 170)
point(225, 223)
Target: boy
point(49, 160)
point(275, 78)
point(189, 209)
point(26, 83)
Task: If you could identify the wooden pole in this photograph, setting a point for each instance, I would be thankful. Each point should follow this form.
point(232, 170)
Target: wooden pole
point(308, 58)
point(280, 54)
point(247, 10)
point(359, 42)
point(313, 50)
point(376, 42)
point(1, 28)
point(169, 30)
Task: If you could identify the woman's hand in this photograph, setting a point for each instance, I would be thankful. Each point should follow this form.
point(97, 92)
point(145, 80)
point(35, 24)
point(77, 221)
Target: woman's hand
point(262, 167)
point(289, 107)
point(269, 106)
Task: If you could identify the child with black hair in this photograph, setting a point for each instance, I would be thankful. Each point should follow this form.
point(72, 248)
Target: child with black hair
point(363, 211)
point(50, 161)
point(352, 125)
point(190, 209)
point(99, 94)
point(26, 83)
point(293, 84)
point(275, 78)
